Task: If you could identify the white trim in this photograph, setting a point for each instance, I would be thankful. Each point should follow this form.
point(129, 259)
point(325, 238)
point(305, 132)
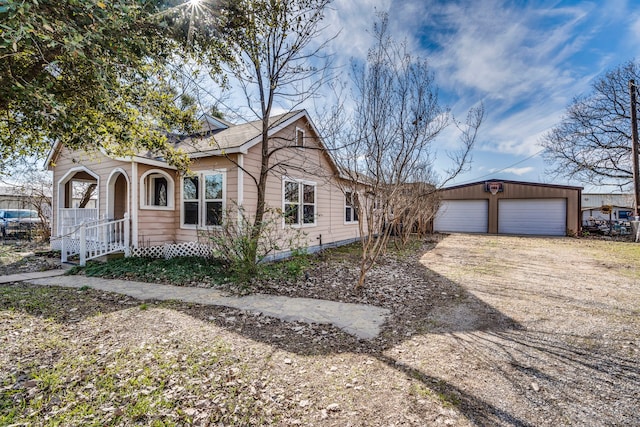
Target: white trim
point(170, 191)
point(145, 161)
point(301, 183)
point(111, 192)
point(134, 206)
point(295, 138)
point(213, 120)
point(63, 181)
point(218, 152)
point(201, 200)
point(240, 179)
point(353, 209)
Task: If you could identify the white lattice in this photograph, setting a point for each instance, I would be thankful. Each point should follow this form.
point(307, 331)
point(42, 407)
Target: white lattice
point(148, 252)
point(71, 246)
point(186, 249)
point(173, 250)
point(55, 243)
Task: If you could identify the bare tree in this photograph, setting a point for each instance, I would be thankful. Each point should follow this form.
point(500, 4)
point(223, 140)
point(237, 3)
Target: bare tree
point(389, 154)
point(276, 63)
point(34, 185)
point(592, 143)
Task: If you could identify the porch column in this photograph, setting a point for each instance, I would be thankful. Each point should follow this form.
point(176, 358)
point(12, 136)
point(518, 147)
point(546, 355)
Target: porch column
point(135, 205)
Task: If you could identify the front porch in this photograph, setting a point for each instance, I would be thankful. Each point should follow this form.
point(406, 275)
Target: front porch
point(94, 238)
point(91, 219)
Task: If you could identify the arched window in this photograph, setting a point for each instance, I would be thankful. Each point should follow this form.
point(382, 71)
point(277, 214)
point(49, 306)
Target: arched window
point(156, 190)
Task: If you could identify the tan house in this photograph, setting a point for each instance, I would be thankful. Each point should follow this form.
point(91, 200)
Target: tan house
point(509, 207)
point(145, 203)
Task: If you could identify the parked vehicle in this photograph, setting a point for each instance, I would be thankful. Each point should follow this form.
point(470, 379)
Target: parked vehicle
point(604, 227)
point(18, 221)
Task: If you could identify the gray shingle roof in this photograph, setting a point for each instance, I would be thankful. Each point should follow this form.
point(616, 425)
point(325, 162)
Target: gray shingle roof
point(233, 137)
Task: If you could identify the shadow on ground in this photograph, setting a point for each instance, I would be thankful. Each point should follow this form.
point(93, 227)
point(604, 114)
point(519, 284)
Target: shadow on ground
point(510, 353)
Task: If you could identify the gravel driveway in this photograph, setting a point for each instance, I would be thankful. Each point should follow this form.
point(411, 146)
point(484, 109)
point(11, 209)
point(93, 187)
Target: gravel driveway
point(571, 355)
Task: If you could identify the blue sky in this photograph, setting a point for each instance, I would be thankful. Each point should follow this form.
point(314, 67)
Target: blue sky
point(524, 60)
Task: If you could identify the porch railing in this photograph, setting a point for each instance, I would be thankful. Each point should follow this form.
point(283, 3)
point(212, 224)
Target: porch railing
point(72, 217)
point(94, 239)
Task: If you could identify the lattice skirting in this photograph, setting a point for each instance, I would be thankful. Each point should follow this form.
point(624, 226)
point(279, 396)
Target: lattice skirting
point(173, 250)
point(72, 245)
point(168, 250)
point(55, 243)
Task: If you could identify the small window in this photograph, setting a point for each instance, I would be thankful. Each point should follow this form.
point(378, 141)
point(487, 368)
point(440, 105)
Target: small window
point(156, 191)
point(299, 137)
point(350, 207)
point(213, 199)
point(190, 190)
point(309, 204)
point(291, 202)
point(299, 200)
point(203, 199)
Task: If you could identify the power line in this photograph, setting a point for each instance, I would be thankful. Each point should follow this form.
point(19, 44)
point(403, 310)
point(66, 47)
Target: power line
point(503, 169)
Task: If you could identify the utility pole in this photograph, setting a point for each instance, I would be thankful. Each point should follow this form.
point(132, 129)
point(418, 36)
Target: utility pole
point(634, 147)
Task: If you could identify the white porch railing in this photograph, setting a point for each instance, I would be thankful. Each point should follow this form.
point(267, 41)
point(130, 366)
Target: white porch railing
point(73, 217)
point(95, 239)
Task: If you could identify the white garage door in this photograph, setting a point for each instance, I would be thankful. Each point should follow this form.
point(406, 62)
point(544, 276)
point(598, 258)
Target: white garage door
point(546, 217)
point(463, 216)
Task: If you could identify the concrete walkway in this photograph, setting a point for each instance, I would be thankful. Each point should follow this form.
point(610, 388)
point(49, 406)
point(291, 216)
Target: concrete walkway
point(363, 321)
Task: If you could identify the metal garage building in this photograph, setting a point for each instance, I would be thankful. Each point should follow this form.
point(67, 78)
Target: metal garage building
point(509, 207)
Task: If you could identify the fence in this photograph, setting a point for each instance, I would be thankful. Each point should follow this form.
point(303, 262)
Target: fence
point(96, 238)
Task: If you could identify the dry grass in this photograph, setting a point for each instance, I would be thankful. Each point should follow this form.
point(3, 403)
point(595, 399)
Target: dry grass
point(529, 331)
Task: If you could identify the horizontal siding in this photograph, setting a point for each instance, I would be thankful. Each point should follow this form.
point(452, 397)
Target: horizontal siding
point(97, 163)
point(155, 226)
point(251, 163)
point(205, 165)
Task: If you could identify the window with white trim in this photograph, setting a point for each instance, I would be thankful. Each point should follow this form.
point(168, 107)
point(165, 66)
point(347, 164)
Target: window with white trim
point(203, 199)
point(350, 207)
point(299, 202)
point(157, 190)
point(299, 137)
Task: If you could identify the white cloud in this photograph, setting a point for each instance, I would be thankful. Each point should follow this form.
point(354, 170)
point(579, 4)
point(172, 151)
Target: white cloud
point(504, 51)
point(514, 171)
point(353, 19)
point(524, 60)
point(516, 59)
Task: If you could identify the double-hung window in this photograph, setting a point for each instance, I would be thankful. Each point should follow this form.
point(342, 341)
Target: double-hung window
point(203, 199)
point(350, 207)
point(299, 200)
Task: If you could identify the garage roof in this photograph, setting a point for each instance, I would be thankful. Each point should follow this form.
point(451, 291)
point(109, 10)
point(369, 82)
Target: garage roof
point(536, 184)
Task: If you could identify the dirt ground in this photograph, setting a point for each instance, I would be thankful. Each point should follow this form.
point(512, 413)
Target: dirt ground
point(572, 356)
point(485, 330)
